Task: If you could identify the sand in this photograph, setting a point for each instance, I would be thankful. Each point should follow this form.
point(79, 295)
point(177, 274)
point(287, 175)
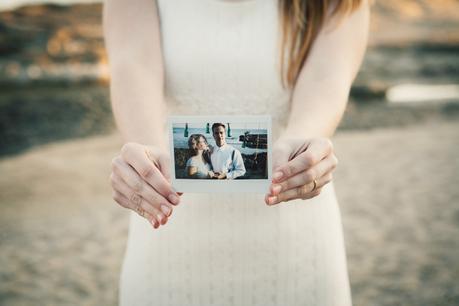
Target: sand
point(62, 238)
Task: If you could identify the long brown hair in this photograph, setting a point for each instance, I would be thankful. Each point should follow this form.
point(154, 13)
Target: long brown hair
point(194, 139)
point(301, 22)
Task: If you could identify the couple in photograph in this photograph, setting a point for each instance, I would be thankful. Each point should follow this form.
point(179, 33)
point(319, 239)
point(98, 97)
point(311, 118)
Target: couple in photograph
point(207, 162)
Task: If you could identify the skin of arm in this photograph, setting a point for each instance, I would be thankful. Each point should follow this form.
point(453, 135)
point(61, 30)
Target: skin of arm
point(132, 38)
point(303, 157)
point(192, 171)
point(140, 175)
point(321, 92)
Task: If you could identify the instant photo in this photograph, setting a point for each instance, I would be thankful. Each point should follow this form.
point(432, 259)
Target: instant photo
point(220, 153)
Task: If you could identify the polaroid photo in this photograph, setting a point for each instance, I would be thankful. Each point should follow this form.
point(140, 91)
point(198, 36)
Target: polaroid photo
point(220, 153)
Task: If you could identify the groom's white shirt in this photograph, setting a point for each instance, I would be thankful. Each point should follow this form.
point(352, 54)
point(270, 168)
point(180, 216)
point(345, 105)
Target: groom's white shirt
point(222, 162)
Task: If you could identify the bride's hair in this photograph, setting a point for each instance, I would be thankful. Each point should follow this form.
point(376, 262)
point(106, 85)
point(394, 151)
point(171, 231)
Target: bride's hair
point(301, 23)
point(193, 141)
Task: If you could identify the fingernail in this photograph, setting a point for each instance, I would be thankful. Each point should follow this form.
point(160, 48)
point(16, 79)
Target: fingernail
point(272, 200)
point(277, 175)
point(154, 223)
point(166, 210)
point(163, 220)
point(174, 199)
point(277, 189)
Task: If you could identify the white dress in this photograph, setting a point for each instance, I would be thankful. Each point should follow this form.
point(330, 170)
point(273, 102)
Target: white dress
point(221, 57)
point(202, 168)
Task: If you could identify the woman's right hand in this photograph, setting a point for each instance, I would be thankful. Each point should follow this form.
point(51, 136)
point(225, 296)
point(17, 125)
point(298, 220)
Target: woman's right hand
point(210, 174)
point(140, 180)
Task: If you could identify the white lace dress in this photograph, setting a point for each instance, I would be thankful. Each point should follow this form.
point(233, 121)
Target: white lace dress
point(221, 57)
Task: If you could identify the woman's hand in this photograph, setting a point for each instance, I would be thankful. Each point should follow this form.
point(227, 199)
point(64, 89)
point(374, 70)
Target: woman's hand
point(300, 169)
point(140, 180)
point(192, 171)
point(221, 176)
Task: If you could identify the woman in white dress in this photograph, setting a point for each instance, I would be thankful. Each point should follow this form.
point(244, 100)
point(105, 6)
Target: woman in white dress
point(198, 165)
point(294, 60)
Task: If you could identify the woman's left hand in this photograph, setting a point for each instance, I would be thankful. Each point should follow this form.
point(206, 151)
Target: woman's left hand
point(300, 168)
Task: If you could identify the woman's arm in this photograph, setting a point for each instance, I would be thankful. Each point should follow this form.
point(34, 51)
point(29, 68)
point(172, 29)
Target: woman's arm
point(303, 156)
point(140, 175)
point(132, 39)
point(322, 89)
point(191, 171)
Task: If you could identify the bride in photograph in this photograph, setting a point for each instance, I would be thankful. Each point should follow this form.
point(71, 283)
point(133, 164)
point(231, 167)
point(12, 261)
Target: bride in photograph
point(294, 60)
point(199, 165)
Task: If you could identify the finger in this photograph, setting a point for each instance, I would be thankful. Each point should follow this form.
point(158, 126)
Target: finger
point(133, 180)
point(280, 156)
point(161, 161)
point(127, 173)
point(150, 168)
point(325, 166)
point(293, 194)
point(135, 156)
point(119, 197)
point(306, 191)
point(134, 201)
point(139, 200)
point(315, 152)
point(124, 202)
point(150, 201)
point(153, 198)
point(297, 193)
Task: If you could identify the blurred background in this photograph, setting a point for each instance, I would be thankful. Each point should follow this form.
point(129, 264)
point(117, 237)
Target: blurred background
point(62, 238)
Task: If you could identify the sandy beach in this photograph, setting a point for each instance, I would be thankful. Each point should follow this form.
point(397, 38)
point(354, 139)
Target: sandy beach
point(62, 237)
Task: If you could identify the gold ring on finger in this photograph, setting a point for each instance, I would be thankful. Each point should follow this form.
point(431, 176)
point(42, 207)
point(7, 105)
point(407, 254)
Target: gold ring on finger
point(315, 185)
point(141, 211)
point(303, 190)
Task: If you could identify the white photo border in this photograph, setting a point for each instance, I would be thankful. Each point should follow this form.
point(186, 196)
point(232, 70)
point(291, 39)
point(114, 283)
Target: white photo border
point(221, 186)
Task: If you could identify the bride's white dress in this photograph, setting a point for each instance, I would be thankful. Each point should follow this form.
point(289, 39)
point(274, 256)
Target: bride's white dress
point(221, 57)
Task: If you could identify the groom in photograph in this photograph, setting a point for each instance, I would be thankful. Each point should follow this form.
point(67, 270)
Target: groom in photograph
point(227, 162)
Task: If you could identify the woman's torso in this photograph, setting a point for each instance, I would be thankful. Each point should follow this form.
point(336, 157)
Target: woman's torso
point(231, 249)
point(222, 58)
point(202, 167)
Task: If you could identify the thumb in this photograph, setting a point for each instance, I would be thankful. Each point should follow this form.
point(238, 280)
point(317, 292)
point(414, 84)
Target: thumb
point(164, 166)
point(280, 156)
